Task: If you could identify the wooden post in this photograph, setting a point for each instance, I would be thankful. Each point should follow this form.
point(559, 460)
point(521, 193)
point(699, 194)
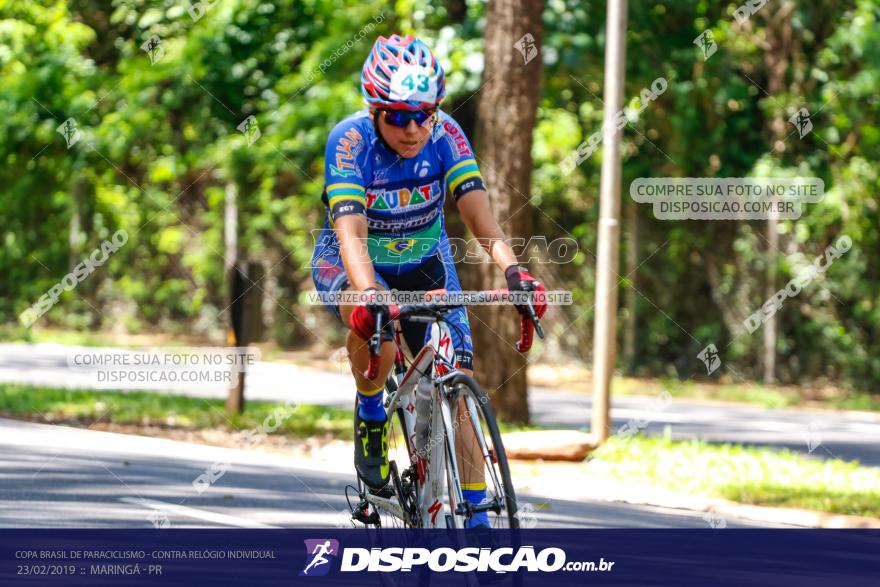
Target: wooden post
point(237, 336)
point(604, 335)
point(235, 287)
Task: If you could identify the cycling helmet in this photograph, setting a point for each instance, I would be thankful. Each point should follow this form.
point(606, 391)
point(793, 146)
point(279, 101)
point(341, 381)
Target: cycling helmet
point(401, 73)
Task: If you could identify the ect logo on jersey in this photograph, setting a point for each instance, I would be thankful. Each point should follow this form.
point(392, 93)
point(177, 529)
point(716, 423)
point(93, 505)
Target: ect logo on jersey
point(319, 554)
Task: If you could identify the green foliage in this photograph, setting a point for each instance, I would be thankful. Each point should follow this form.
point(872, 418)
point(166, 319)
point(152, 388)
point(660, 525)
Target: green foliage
point(160, 146)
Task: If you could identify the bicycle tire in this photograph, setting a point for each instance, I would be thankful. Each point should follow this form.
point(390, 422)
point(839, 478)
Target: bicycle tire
point(494, 435)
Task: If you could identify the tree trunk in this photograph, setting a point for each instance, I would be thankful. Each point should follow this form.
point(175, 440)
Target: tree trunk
point(769, 351)
point(235, 289)
point(507, 111)
point(629, 299)
point(776, 57)
point(75, 237)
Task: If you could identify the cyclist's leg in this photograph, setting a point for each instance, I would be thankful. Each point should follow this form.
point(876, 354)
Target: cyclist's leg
point(359, 357)
point(370, 423)
point(471, 467)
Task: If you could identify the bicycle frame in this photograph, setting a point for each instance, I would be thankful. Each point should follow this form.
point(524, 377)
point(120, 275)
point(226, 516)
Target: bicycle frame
point(436, 361)
point(429, 472)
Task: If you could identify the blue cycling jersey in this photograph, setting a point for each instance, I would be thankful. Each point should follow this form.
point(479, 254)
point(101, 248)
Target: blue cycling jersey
point(402, 199)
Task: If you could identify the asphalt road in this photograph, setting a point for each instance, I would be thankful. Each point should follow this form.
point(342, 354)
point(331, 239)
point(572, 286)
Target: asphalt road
point(58, 476)
point(822, 433)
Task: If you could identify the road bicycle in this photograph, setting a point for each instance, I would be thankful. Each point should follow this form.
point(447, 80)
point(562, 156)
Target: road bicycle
point(427, 405)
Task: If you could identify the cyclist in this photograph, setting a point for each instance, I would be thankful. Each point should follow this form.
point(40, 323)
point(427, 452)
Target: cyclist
point(387, 171)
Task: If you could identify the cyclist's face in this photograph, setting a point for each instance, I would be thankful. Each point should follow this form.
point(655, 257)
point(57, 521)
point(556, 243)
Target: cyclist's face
point(406, 141)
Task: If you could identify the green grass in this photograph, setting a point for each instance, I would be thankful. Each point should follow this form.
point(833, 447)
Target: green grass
point(752, 475)
point(16, 333)
point(752, 393)
point(157, 409)
point(859, 401)
point(146, 408)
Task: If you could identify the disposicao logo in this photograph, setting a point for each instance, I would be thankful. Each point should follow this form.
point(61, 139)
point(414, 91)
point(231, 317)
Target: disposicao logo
point(320, 552)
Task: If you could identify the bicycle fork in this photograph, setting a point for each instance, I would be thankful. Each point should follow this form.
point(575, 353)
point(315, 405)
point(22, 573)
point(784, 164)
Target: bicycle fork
point(496, 504)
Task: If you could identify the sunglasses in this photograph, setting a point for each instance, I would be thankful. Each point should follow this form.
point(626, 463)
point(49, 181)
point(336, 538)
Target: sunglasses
point(401, 118)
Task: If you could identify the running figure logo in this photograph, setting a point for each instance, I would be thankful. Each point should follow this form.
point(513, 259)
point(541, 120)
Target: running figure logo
point(706, 43)
point(319, 553)
point(711, 358)
point(250, 129)
point(70, 132)
point(801, 121)
point(153, 48)
point(527, 47)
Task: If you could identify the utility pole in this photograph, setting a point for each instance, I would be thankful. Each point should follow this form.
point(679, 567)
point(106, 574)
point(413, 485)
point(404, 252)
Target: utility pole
point(605, 332)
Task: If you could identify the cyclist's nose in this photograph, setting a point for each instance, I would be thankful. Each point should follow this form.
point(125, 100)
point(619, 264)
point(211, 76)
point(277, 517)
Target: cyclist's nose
point(412, 128)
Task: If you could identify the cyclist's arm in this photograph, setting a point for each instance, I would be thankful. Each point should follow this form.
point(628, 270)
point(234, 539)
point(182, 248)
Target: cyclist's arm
point(477, 214)
point(465, 184)
point(351, 232)
point(346, 169)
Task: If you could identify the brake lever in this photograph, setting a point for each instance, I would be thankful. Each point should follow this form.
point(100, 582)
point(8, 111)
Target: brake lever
point(375, 347)
point(535, 320)
point(376, 339)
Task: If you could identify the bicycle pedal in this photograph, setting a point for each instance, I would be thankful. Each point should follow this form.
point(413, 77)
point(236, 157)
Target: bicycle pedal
point(371, 519)
point(489, 505)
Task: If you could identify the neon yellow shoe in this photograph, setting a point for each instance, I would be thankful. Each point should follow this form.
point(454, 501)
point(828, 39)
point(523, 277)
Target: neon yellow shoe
point(371, 451)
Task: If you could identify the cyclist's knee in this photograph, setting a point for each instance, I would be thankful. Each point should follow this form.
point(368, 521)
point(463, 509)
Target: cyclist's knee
point(356, 341)
point(359, 352)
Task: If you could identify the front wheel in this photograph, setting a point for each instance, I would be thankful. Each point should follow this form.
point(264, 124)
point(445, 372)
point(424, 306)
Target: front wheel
point(480, 453)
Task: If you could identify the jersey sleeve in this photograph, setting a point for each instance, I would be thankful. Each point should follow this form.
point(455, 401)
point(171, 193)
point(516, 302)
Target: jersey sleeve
point(345, 171)
point(462, 171)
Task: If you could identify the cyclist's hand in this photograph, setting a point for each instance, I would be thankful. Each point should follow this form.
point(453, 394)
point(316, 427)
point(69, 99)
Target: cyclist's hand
point(363, 318)
point(519, 279)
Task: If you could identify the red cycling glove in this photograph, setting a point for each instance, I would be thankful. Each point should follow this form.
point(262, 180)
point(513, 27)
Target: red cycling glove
point(363, 318)
point(519, 279)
